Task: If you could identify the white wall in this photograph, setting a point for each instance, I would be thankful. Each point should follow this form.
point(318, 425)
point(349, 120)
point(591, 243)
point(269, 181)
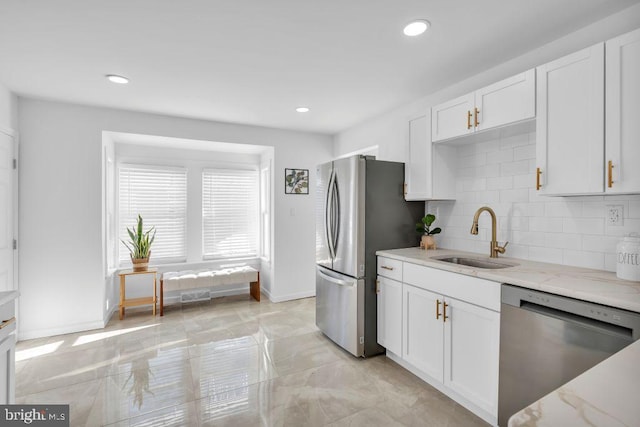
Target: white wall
point(8, 109)
point(61, 270)
point(560, 230)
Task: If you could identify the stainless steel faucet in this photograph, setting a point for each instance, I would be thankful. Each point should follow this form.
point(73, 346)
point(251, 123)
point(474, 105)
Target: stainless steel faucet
point(495, 249)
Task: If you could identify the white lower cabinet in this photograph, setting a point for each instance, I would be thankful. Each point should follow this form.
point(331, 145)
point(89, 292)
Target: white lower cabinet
point(471, 353)
point(450, 328)
point(390, 314)
point(423, 333)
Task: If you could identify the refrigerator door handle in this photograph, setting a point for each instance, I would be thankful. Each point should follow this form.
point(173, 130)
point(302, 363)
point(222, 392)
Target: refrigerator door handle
point(335, 194)
point(334, 280)
point(328, 225)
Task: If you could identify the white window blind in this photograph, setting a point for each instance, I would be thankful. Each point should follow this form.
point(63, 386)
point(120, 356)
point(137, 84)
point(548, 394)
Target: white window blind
point(230, 217)
point(159, 195)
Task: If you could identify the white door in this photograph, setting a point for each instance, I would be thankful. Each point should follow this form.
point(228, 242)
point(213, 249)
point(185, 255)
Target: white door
point(508, 101)
point(390, 315)
point(423, 330)
point(417, 170)
point(452, 118)
point(471, 353)
point(6, 212)
point(570, 123)
point(623, 114)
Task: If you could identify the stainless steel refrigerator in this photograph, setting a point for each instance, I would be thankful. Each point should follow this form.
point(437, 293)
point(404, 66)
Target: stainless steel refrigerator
point(360, 209)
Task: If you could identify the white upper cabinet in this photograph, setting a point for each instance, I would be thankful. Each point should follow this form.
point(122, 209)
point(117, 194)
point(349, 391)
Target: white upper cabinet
point(622, 173)
point(570, 124)
point(418, 181)
point(453, 118)
point(508, 101)
point(427, 172)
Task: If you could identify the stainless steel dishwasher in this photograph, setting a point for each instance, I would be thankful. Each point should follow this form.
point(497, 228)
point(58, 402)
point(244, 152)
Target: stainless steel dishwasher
point(546, 340)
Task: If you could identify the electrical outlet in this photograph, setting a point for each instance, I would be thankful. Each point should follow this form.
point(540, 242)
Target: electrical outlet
point(615, 215)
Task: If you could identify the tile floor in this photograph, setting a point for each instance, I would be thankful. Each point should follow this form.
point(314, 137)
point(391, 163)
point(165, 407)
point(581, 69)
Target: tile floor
point(231, 361)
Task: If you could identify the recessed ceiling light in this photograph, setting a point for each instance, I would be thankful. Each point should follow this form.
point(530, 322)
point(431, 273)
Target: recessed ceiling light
point(417, 27)
point(302, 109)
point(114, 78)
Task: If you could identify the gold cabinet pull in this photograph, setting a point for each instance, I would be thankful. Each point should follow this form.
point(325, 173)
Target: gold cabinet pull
point(438, 309)
point(475, 117)
point(377, 286)
point(468, 119)
point(405, 189)
point(7, 322)
point(610, 174)
point(444, 311)
point(538, 173)
point(385, 267)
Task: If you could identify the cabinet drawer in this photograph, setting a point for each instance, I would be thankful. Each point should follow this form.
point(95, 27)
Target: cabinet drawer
point(391, 268)
point(481, 292)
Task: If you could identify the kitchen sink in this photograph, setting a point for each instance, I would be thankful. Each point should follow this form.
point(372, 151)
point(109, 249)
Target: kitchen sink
point(474, 262)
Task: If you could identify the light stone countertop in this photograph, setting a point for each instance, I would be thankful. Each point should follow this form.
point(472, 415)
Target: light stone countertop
point(602, 287)
point(605, 395)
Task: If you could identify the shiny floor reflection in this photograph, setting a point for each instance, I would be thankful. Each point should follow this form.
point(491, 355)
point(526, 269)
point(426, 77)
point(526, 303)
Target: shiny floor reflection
point(231, 361)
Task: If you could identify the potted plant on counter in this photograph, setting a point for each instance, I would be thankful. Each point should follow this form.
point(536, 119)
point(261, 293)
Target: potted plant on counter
point(140, 245)
point(424, 227)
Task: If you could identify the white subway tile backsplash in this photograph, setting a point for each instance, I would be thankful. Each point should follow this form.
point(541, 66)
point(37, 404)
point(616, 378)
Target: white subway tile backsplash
point(545, 224)
point(500, 156)
point(593, 260)
point(583, 225)
point(524, 181)
point(544, 254)
point(599, 243)
point(610, 262)
point(475, 160)
point(563, 209)
point(529, 238)
point(500, 183)
point(525, 152)
point(514, 141)
point(565, 230)
point(514, 196)
point(520, 167)
point(563, 241)
point(528, 209)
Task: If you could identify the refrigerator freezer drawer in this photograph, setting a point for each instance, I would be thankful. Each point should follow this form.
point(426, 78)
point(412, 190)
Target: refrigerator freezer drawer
point(340, 309)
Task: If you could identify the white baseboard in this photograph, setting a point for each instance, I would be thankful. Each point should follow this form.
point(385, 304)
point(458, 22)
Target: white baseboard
point(290, 297)
point(60, 330)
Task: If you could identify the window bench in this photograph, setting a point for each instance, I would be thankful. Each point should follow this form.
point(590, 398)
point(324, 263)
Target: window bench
point(194, 279)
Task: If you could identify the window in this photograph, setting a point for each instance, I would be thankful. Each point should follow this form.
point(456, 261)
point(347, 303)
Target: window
point(230, 218)
point(265, 190)
point(159, 194)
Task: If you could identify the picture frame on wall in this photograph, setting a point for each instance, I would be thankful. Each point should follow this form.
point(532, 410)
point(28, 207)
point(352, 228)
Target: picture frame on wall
point(296, 181)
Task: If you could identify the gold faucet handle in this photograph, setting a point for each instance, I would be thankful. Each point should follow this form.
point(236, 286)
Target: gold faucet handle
point(502, 249)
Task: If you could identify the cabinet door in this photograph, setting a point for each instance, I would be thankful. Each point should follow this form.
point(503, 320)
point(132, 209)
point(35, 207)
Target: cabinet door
point(390, 315)
point(423, 333)
point(453, 118)
point(7, 369)
point(417, 170)
point(508, 101)
point(570, 123)
point(623, 114)
point(471, 353)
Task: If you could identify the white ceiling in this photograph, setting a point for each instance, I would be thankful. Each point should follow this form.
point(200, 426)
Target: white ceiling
point(254, 61)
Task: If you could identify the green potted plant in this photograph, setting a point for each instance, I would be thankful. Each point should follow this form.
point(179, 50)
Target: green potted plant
point(140, 245)
point(424, 228)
